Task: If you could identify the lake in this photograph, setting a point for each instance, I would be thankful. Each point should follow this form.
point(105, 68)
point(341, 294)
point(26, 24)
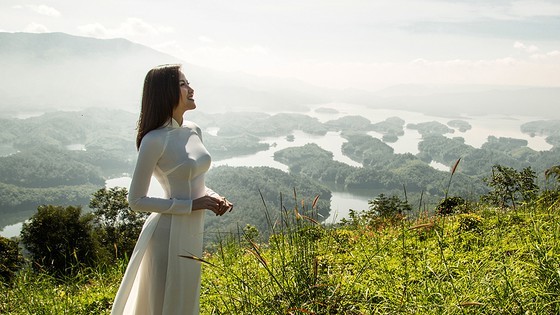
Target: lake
point(342, 201)
point(482, 127)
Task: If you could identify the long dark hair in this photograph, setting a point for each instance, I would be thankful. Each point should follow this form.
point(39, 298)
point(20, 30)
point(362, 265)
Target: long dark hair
point(160, 95)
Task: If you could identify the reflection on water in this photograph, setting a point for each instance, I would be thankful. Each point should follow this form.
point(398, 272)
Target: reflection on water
point(11, 230)
point(342, 202)
point(439, 166)
point(76, 147)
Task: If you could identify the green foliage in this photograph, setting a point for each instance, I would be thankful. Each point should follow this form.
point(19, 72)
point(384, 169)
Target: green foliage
point(41, 167)
point(382, 211)
point(366, 149)
point(350, 123)
point(548, 199)
point(553, 171)
point(510, 186)
point(432, 127)
point(11, 259)
point(451, 205)
point(485, 262)
point(314, 162)
point(89, 291)
point(230, 146)
point(15, 199)
point(391, 128)
point(476, 162)
point(249, 187)
point(116, 226)
point(60, 239)
point(461, 125)
point(269, 284)
point(481, 263)
point(470, 222)
point(384, 206)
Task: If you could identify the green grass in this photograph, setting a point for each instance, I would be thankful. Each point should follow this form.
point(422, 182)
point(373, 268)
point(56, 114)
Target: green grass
point(487, 262)
point(88, 292)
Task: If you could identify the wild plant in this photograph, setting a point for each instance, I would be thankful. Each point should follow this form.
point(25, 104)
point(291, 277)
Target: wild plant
point(510, 186)
point(453, 170)
point(286, 265)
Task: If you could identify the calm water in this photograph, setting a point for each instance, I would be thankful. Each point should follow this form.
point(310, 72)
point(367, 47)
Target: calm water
point(11, 230)
point(482, 126)
point(332, 142)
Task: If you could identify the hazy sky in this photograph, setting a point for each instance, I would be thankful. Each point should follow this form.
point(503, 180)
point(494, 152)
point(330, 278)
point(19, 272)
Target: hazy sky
point(364, 44)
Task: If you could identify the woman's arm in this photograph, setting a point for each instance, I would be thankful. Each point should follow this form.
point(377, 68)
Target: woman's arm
point(149, 153)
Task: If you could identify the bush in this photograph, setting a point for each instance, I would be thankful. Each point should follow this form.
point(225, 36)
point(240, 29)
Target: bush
point(116, 226)
point(451, 205)
point(10, 259)
point(510, 186)
point(60, 239)
point(470, 222)
point(384, 206)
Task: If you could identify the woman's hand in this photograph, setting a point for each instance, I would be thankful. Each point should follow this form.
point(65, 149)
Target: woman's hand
point(218, 205)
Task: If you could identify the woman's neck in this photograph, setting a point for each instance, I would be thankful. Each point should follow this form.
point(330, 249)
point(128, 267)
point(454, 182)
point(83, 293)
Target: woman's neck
point(178, 118)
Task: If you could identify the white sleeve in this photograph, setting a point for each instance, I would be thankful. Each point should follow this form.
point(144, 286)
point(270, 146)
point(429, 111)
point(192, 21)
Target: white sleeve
point(211, 193)
point(149, 153)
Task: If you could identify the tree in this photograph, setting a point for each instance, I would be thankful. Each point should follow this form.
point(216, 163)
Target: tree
point(116, 226)
point(553, 171)
point(60, 239)
point(384, 206)
point(451, 205)
point(10, 259)
point(510, 186)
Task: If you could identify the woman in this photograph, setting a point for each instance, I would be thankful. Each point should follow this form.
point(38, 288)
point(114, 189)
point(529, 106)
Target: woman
point(158, 280)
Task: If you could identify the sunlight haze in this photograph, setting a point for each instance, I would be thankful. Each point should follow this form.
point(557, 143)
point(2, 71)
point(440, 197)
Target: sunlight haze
point(338, 44)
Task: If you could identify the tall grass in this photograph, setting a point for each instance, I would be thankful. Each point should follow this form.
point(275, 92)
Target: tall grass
point(491, 261)
point(488, 262)
point(275, 276)
point(90, 291)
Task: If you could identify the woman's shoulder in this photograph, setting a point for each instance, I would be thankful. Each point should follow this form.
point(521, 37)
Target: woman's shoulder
point(192, 125)
point(156, 133)
point(154, 137)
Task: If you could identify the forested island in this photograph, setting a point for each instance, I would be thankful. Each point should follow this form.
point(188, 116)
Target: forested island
point(64, 157)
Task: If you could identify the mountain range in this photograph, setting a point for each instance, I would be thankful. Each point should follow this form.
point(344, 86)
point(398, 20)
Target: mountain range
point(58, 71)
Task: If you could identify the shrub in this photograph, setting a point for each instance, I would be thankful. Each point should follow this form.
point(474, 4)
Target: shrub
point(10, 259)
point(384, 206)
point(470, 222)
point(510, 186)
point(60, 239)
point(116, 226)
point(451, 205)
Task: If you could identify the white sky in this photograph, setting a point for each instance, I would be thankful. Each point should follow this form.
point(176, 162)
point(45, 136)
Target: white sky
point(364, 44)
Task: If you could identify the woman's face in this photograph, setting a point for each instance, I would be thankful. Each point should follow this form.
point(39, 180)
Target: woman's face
point(186, 101)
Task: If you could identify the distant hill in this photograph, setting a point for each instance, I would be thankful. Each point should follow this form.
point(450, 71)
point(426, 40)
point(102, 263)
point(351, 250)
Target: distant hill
point(473, 100)
point(51, 71)
point(43, 72)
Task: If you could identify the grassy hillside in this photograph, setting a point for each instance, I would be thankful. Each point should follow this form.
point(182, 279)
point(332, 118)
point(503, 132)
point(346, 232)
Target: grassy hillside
point(488, 261)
